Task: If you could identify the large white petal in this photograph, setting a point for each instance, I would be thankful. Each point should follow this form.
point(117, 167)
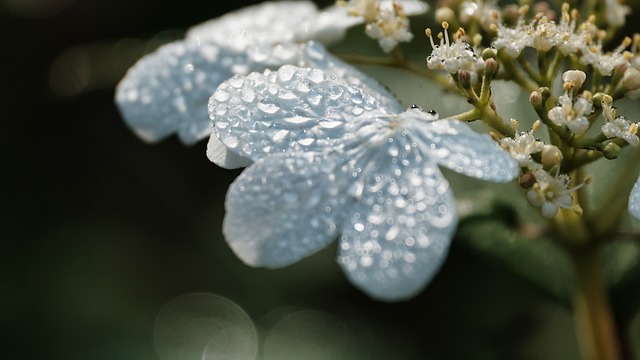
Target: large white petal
point(456, 146)
point(634, 200)
point(400, 230)
point(167, 91)
point(221, 156)
point(316, 56)
point(269, 23)
point(285, 207)
point(289, 110)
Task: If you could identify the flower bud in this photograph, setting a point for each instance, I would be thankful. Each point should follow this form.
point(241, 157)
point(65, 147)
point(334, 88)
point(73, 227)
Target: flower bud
point(597, 99)
point(575, 78)
point(545, 93)
point(489, 53)
point(491, 67)
point(464, 77)
point(631, 79)
point(535, 99)
point(611, 151)
point(445, 13)
point(527, 180)
point(551, 155)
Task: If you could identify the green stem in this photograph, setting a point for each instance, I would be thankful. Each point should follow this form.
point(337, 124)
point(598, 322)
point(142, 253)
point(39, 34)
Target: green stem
point(594, 319)
point(528, 69)
point(518, 75)
point(553, 68)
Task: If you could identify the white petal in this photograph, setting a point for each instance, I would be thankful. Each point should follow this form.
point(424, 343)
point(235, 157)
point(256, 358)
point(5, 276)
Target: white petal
point(221, 156)
point(288, 110)
point(316, 56)
point(284, 208)
point(456, 146)
point(401, 227)
point(268, 23)
point(634, 200)
point(167, 91)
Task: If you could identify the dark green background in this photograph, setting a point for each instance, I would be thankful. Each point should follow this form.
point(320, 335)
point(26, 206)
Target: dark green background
point(99, 230)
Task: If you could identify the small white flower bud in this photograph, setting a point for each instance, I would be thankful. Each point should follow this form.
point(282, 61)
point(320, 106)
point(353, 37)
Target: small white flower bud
point(575, 78)
point(631, 79)
point(551, 155)
point(445, 13)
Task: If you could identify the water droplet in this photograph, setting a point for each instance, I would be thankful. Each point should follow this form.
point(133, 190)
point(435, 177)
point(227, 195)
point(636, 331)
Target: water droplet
point(297, 120)
point(357, 98)
point(286, 73)
point(268, 106)
point(221, 95)
point(188, 68)
point(236, 81)
point(315, 96)
point(366, 261)
point(330, 124)
point(280, 135)
point(357, 111)
point(316, 76)
point(335, 92)
point(248, 95)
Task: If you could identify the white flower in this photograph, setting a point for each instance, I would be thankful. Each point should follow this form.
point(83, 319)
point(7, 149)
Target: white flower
point(330, 160)
point(550, 193)
point(513, 40)
point(618, 126)
point(521, 147)
point(485, 12)
point(451, 56)
point(572, 115)
point(166, 92)
point(390, 28)
point(616, 12)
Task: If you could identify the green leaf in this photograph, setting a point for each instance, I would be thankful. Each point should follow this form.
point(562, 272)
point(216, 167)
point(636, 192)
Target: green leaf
point(538, 261)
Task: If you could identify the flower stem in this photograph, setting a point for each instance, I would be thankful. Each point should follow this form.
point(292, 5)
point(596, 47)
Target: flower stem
point(593, 316)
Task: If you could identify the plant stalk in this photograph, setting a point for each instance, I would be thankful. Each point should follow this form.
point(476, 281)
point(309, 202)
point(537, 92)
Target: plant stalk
point(594, 319)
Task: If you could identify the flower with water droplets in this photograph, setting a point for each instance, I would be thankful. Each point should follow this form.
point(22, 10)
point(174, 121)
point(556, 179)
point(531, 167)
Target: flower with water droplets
point(513, 40)
point(452, 56)
point(522, 146)
point(552, 192)
point(166, 91)
point(331, 160)
point(572, 114)
point(618, 126)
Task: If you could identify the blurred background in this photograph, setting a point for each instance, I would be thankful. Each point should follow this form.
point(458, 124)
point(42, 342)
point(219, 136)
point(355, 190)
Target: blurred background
point(99, 230)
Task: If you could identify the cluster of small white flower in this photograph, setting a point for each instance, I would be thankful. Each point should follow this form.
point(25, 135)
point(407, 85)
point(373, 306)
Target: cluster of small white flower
point(583, 40)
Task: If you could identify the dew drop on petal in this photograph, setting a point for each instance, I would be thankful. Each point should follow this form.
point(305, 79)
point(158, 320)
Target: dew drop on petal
point(221, 95)
point(268, 106)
